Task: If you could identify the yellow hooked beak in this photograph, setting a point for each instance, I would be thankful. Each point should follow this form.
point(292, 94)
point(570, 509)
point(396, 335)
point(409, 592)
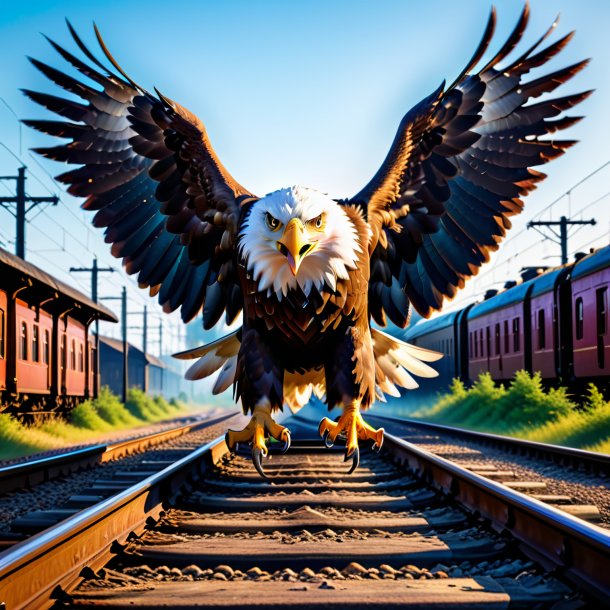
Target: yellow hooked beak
point(294, 245)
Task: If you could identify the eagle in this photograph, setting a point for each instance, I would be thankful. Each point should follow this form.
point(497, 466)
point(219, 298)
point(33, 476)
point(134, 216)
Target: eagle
point(309, 274)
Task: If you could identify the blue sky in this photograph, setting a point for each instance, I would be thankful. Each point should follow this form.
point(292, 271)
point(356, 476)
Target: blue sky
point(297, 92)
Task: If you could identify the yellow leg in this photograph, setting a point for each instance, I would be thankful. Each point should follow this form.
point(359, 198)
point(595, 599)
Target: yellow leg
point(260, 427)
point(353, 427)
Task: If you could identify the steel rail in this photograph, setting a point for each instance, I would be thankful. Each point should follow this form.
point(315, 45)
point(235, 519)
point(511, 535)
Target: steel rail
point(36, 471)
point(579, 550)
point(596, 462)
point(36, 571)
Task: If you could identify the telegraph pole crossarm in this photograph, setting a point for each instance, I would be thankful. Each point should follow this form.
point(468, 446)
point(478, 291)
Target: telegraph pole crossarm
point(20, 199)
point(563, 223)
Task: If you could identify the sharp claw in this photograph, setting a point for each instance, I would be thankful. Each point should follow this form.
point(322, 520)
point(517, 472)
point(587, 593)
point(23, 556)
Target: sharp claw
point(257, 460)
point(286, 442)
point(327, 444)
point(355, 460)
point(227, 441)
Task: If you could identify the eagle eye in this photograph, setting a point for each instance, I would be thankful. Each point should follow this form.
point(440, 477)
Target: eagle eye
point(317, 222)
point(273, 223)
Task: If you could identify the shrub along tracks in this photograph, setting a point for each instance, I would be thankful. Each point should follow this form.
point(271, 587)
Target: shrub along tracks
point(411, 529)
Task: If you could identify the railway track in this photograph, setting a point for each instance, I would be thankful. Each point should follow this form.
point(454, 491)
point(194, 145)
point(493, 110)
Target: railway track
point(573, 480)
point(587, 461)
point(39, 493)
point(408, 529)
point(35, 471)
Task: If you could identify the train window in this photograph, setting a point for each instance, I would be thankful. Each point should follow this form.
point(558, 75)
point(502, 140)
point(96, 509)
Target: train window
point(481, 352)
point(81, 358)
point(516, 335)
point(2, 325)
point(63, 354)
point(35, 343)
point(497, 338)
point(541, 329)
point(73, 355)
point(579, 323)
point(506, 338)
point(45, 347)
point(24, 342)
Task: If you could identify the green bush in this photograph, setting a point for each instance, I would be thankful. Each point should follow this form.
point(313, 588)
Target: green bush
point(85, 415)
point(144, 407)
point(112, 410)
point(527, 410)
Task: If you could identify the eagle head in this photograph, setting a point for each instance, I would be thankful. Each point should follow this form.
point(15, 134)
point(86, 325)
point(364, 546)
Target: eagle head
point(297, 237)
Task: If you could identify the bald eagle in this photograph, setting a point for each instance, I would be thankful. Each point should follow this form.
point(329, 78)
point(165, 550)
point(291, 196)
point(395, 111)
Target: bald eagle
point(309, 273)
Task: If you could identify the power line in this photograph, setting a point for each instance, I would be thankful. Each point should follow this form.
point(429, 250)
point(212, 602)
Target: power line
point(20, 200)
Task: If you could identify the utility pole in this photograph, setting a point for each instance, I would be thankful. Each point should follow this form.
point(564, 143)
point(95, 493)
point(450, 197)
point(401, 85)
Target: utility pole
point(94, 270)
point(21, 199)
point(123, 299)
point(563, 224)
point(144, 329)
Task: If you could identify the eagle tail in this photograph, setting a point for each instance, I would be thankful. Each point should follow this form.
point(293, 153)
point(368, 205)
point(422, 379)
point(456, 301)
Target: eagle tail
point(395, 363)
point(220, 354)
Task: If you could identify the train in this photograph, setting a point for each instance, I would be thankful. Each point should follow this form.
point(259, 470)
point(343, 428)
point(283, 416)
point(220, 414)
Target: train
point(48, 354)
point(144, 371)
point(553, 322)
point(48, 360)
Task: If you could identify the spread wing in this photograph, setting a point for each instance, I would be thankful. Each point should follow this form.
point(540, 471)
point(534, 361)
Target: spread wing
point(456, 172)
point(147, 168)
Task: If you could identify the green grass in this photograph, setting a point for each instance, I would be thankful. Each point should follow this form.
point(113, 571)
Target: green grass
point(88, 420)
point(526, 410)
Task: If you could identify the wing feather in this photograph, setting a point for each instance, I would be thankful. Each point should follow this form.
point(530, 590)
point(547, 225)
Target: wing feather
point(148, 170)
point(457, 170)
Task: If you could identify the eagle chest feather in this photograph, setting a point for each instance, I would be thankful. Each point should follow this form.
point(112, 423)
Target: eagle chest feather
point(301, 320)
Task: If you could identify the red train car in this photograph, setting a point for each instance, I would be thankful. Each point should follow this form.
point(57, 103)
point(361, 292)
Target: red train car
point(498, 333)
point(555, 324)
point(550, 322)
point(589, 305)
point(47, 361)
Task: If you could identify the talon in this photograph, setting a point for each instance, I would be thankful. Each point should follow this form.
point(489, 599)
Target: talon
point(350, 428)
point(328, 444)
point(355, 460)
point(257, 460)
point(287, 440)
point(378, 440)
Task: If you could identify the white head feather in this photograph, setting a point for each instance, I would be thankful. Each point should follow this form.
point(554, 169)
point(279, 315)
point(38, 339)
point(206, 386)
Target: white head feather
point(335, 253)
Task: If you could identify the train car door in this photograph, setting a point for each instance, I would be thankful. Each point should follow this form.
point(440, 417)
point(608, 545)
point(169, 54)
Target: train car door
point(488, 345)
point(63, 360)
point(601, 314)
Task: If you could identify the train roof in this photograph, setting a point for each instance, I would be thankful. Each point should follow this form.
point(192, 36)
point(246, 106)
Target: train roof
point(425, 327)
point(501, 300)
point(546, 282)
point(117, 345)
point(10, 262)
point(599, 259)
